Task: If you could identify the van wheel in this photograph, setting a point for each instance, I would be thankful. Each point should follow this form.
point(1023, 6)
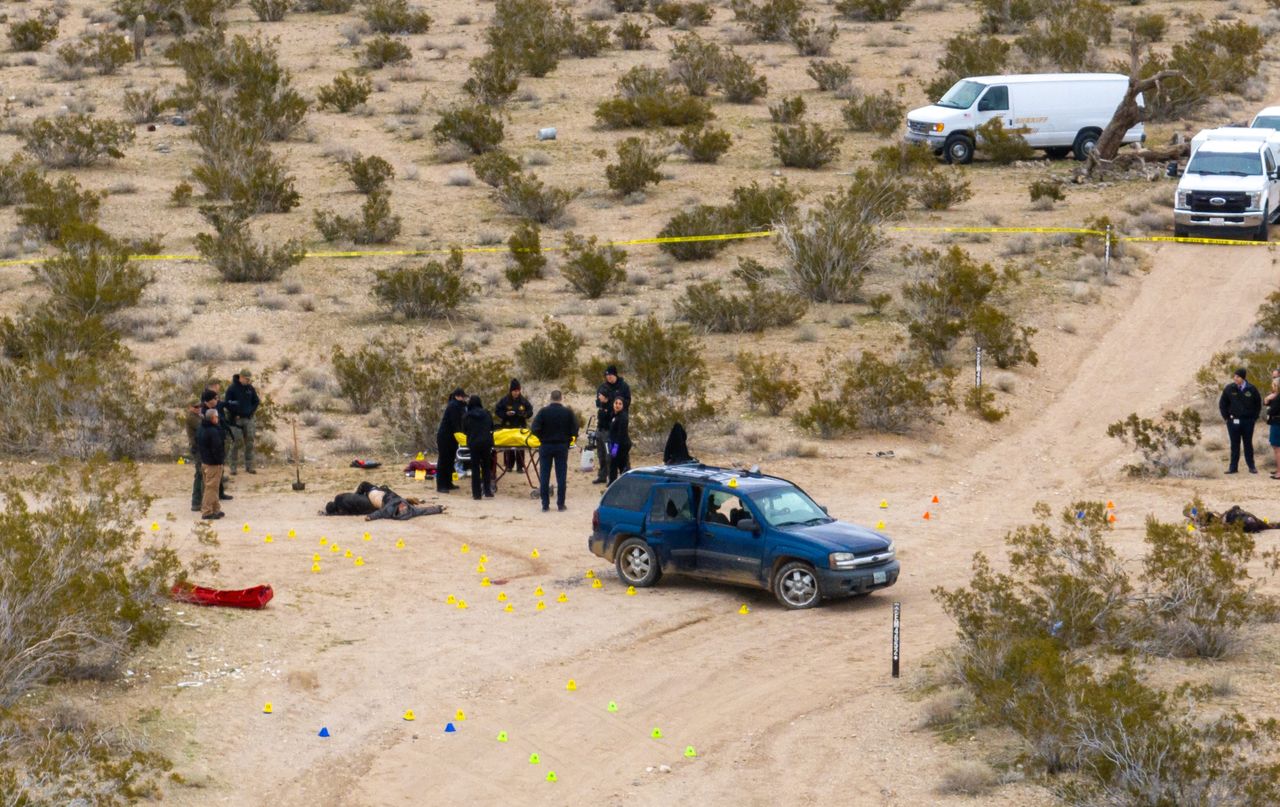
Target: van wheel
point(637, 563)
point(1057, 152)
point(1086, 142)
point(959, 150)
point(796, 586)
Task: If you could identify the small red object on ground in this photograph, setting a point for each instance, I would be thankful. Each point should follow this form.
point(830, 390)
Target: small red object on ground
point(255, 598)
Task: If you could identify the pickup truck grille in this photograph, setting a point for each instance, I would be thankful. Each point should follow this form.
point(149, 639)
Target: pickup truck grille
point(919, 127)
point(1234, 202)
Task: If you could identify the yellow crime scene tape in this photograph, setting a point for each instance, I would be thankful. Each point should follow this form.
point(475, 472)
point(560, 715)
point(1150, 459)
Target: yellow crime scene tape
point(685, 239)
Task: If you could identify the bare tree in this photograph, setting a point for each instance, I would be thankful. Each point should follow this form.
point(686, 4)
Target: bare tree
point(1143, 32)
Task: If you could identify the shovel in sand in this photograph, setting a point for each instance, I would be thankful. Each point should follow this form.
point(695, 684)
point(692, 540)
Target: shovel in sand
point(297, 462)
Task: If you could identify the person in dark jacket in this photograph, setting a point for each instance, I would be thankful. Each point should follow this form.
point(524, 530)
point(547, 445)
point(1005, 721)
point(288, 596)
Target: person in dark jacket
point(513, 412)
point(367, 498)
point(1240, 404)
point(555, 426)
point(450, 424)
point(243, 403)
point(402, 509)
point(1273, 420)
point(477, 424)
point(619, 441)
point(676, 451)
point(613, 388)
point(213, 452)
point(195, 417)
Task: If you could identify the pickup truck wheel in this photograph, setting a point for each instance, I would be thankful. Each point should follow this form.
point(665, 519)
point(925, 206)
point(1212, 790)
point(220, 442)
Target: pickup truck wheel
point(1263, 233)
point(637, 563)
point(1086, 142)
point(1180, 232)
point(796, 586)
point(958, 150)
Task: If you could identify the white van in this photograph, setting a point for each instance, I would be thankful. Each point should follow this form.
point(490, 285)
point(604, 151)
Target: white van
point(1058, 112)
point(1231, 186)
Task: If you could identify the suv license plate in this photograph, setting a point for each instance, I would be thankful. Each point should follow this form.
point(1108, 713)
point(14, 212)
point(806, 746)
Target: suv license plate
point(878, 577)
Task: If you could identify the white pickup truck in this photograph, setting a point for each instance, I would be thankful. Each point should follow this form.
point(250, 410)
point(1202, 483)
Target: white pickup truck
point(1231, 186)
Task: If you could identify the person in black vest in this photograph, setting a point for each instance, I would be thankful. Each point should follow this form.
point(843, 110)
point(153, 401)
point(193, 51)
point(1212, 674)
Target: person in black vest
point(243, 402)
point(513, 412)
point(614, 387)
point(477, 424)
point(450, 424)
point(1240, 404)
point(555, 426)
point(211, 443)
point(619, 441)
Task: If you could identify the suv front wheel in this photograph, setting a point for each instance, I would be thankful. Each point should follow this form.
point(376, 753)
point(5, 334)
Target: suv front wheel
point(796, 586)
point(637, 563)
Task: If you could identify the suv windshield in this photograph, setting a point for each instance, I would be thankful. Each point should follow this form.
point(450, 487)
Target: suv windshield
point(1267, 122)
point(1225, 164)
point(788, 507)
point(962, 94)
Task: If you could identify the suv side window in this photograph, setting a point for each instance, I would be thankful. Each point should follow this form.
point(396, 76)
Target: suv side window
point(671, 504)
point(996, 99)
point(725, 508)
point(628, 493)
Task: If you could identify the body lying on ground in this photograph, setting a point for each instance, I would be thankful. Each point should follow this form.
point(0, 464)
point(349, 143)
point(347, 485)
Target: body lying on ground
point(1236, 515)
point(378, 501)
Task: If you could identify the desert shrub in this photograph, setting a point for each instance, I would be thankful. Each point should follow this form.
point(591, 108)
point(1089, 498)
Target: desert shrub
point(181, 195)
point(144, 106)
point(1164, 444)
point(80, 590)
point(882, 113)
point(591, 269)
point(981, 402)
point(236, 165)
point(967, 54)
point(958, 297)
point(770, 20)
point(941, 189)
point(526, 196)
point(238, 258)
point(363, 376)
point(473, 127)
point(695, 63)
point(527, 261)
point(631, 35)
point(585, 40)
point(495, 167)
point(395, 17)
point(1005, 16)
point(764, 383)
point(870, 394)
point(495, 77)
point(420, 386)
point(701, 220)
point(1213, 60)
point(33, 33)
point(56, 211)
point(764, 305)
point(904, 159)
point(787, 110)
point(1046, 189)
point(376, 224)
point(666, 370)
point(739, 80)
point(104, 51)
point(552, 353)
point(1066, 35)
point(369, 174)
point(637, 167)
point(269, 10)
point(704, 144)
point(15, 175)
point(1003, 146)
point(324, 6)
point(432, 290)
point(345, 93)
point(178, 17)
point(646, 99)
point(75, 141)
point(382, 50)
point(832, 246)
point(829, 75)
point(531, 32)
point(805, 145)
point(92, 277)
point(874, 10)
point(809, 38)
point(688, 15)
point(752, 207)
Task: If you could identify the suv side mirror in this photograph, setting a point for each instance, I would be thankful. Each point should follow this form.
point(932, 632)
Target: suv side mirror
point(748, 525)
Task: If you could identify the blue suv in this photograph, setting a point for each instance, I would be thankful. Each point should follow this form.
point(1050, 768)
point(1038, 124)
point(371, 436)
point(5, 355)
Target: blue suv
point(745, 528)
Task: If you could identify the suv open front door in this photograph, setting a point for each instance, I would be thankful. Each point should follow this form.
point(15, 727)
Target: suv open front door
point(670, 527)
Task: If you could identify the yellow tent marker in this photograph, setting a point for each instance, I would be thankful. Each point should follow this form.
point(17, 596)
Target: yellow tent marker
point(537, 592)
point(315, 558)
point(182, 460)
point(420, 475)
point(484, 582)
point(267, 539)
point(347, 554)
point(534, 554)
point(733, 482)
point(689, 752)
point(451, 600)
point(597, 583)
point(293, 534)
point(400, 543)
point(484, 558)
point(245, 528)
point(315, 567)
point(534, 759)
point(631, 591)
point(368, 537)
point(744, 609)
point(462, 603)
point(323, 540)
point(420, 457)
point(572, 686)
point(656, 734)
point(510, 608)
point(502, 596)
point(155, 526)
point(460, 715)
point(359, 561)
point(551, 776)
point(502, 736)
point(408, 714)
point(884, 504)
point(479, 568)
point(879, 525)
point(465, 548)
point(563, 597)
point(334, 548)
point(266, 710)
point(612, 707)
point(541, 606)
point(590, 574)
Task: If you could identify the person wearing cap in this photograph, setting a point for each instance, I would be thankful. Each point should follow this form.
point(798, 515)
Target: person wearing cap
point(242, 403)
point(514, 411)
point(1240, 404)
point(613, 388)
point(555, 426)
point(450, 424)
point(195, 417)
point(213, 452)
point(477, 425)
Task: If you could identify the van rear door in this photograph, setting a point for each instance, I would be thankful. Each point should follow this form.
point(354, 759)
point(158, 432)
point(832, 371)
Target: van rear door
point(670, 527)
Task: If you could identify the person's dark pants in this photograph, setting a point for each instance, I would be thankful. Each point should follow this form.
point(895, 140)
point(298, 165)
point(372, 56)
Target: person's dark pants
point(1241, 432)
point(444, 468)
point(481, 472)
point(197, 485)
point(546, 456)
point(603, 461)
point(620, 464)
point(513, 458)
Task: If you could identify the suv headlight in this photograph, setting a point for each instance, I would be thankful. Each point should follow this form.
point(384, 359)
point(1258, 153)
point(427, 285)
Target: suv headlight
point(1255, 200)
point(843, 560)
point(1183, 199)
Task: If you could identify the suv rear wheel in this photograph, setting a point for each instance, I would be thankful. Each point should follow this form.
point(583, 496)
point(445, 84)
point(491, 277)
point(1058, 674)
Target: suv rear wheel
point(637, 563)
point(796, 586)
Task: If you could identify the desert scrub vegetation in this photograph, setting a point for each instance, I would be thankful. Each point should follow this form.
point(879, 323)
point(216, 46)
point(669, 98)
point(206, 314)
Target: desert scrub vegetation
point(145, 105)
point(56, 212)
point(751, 208)
point(872, 394)
point(346, 92)
point(765, 382)
point(763, 303)
point(700, 220)
point(592, 269)
point(237, 256)
point(967, 54)
point(532, 32)
point(363, 375)
point(523, 194)
point(1213, 60)
point(1003, 146)
point(552, 353)
point(584, 40)
point(1048, 189)
point(770, 20)
point(704, 144)
point(178, 17)
point(105, 52)
point(881, 113)
point(430, 290)
point(788, 110)
point(237, 167)
point(740, 81)
point(805, 145)
point(646, 99)
point(829, 75)
point(958, 297)
point(269, 10)
point(495, 77)
point(33, 33)
point(941, 189)
point(375, 225)
point(75, 141)
point(395, 17)
point(1066, 35)
point(632, 35)
point(872, 10)
point(694, 63)
point(369, 174)
point(637, 167)
point(382, 50)
point(472, 127)
point(1165, 444)
point(15, 175)
point(683, 15)
point(526, 261)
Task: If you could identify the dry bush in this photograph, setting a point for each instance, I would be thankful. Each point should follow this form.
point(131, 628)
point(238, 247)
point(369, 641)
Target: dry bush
point(967, 54)
point(637, 167)
point(237, 167)
point(695, 63)
point(1214, 60)
point(881, 114)
point(704, 144)
point(33, 33)
point(237, 257)
point(145, 105)
point(347, 92)
point(770, 20)
point(874, 10)
point(269, 10)
point(1165, 444)
point(765, 383)
point(527, 260)
point(432, 290)
point(532, 32)
point(706, 306)
point(805, 145)
point(871, 394)
point(376, 224)
point(395, 17)
point(584, 40)
point(419, 386)
point(811, 38)
point(526, 196)
point(1003, 146)
point(787, 110)
point(363, 376)
point(701, 220)
point(942, 189)
point(632, 35)
point(1046, 189)
point(383, 50)
point(15, 175)
point(177, 17)
point(106, 52)
point(75, 141)
point(495, 77)
point(1067, 34)
point(368, 174)
point(472, 127)
point(968, 777)
point(56, 212)
point(829, 75)
point(551, 353)
point(592, 270)
point(646, 99)
point(739, 80)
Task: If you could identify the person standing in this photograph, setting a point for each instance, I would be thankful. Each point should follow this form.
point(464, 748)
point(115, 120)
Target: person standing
point(477, 424)
point(213, 452)
point(208, 400)
point(242, 403)
point(555, 426)
point(619, 441)
point(613, 387)
point(1240, 404)
point(514, 411)
point(1273, 420)
point(450, 425)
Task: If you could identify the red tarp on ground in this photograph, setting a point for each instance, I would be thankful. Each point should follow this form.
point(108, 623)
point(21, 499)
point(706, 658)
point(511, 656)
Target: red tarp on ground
point(256, 597)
